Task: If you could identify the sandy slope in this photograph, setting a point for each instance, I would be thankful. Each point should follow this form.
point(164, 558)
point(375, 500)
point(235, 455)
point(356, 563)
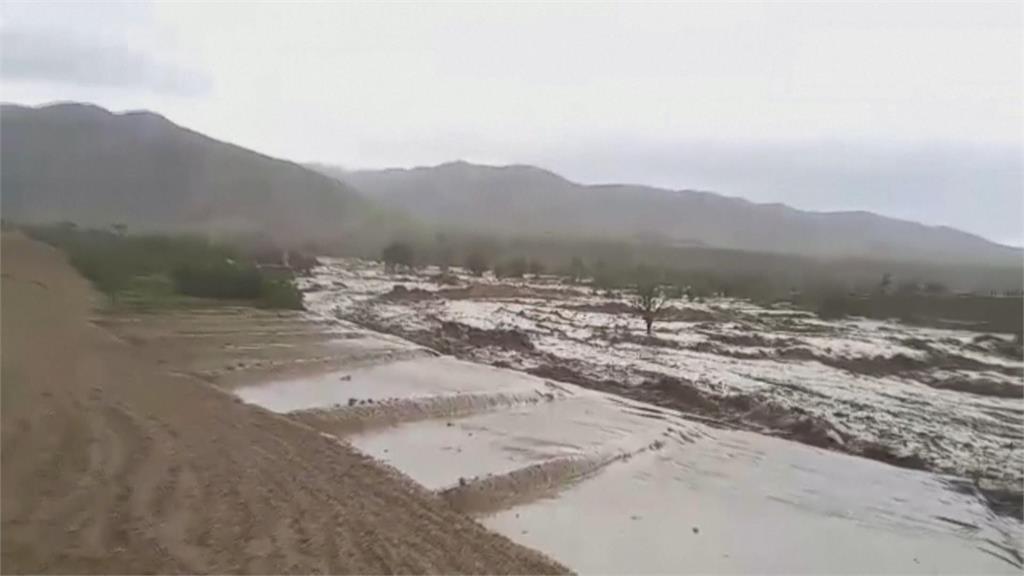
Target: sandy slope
point(111, 465)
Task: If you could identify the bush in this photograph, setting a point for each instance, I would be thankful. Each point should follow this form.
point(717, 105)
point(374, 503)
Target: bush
point(514, 268)
point(280, 294)
point(397, 254)
point(577, 270)
point(603, 276)
point(106, 275)
point(114, 262)
point(225, 280)
point(476, 263)
point(229, 280)
point(835, 306)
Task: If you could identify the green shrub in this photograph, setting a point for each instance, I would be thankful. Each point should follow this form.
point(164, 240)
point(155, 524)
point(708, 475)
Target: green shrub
point(396, 255)
point(514, 268)
point(224, 280)
point(116, 262)
point(280, 294)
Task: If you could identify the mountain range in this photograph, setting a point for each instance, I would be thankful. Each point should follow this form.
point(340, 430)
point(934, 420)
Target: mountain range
point(82, 163)
point(526, 200)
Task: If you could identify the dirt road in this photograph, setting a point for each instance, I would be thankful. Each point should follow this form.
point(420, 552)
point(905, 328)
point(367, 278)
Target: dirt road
point(111, 464)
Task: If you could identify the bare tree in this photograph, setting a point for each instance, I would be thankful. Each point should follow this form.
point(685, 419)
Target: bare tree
point(649, 302)
point(577, 269)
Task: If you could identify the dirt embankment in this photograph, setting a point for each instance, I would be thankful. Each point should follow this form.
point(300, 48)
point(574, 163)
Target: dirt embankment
point(110, 465)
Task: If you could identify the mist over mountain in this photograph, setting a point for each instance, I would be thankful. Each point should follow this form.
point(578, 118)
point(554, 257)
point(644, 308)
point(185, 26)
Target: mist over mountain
point(84, 164)
point(526, 200)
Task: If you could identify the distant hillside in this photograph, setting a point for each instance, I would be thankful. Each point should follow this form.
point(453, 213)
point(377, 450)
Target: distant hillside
point(530, 200)
point(85, 164)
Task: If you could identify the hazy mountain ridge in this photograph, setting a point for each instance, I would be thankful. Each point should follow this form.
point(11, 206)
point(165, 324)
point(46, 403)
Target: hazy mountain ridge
point(82, 163)
point(522, 199)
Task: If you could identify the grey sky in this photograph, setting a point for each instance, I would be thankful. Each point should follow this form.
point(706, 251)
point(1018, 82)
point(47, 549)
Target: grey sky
point(911, 110)
point(49, 57)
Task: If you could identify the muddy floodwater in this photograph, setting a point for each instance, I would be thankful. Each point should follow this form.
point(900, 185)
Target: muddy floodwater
point(935, 399)
point(604, 484)
point(605, 481)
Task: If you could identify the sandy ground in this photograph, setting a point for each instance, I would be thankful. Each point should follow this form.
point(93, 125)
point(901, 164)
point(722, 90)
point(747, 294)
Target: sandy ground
point(113, 464)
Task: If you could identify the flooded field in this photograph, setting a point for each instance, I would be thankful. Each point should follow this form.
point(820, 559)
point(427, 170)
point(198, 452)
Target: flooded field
point(924, 398)
point(605, 484)
point(543, 411)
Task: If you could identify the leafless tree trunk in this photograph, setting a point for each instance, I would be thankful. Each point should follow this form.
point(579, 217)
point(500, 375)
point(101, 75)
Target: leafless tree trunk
point(649, 302)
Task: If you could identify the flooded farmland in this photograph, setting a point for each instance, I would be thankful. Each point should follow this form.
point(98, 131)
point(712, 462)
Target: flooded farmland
point(605, 484)
point(925, 398)
point(737, 438)
point(544, 411)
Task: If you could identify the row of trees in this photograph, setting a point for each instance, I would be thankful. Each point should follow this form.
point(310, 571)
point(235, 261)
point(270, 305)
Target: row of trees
point(118, 263)
point(399, 256)
point(651, 288)
point(650, 293)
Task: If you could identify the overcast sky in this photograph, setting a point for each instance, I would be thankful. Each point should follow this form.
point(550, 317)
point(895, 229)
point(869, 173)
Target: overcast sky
point(910, 110)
